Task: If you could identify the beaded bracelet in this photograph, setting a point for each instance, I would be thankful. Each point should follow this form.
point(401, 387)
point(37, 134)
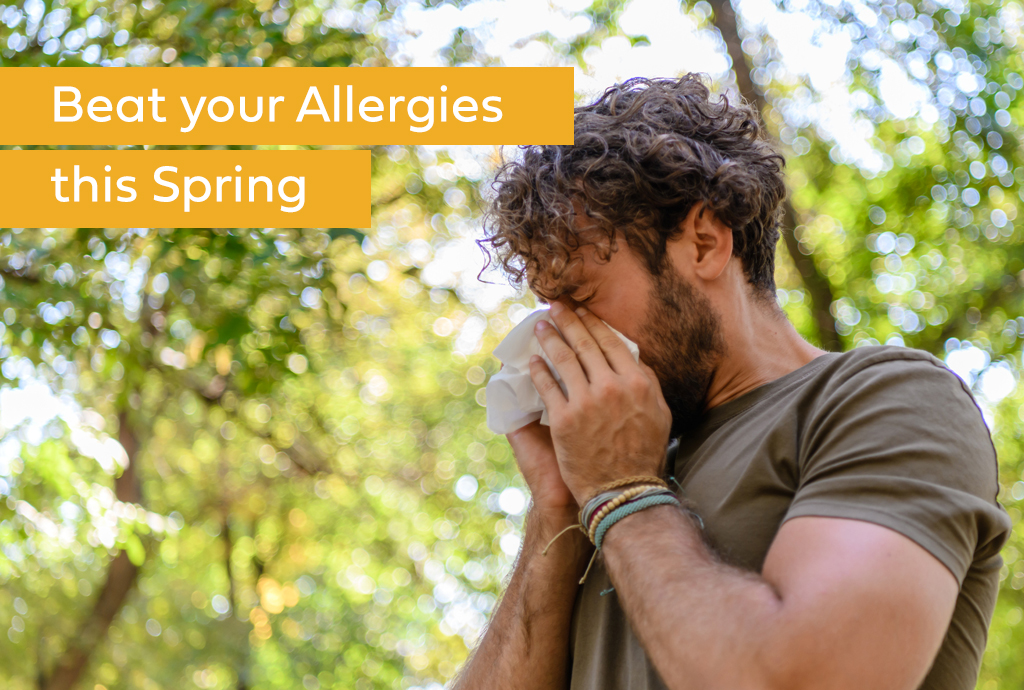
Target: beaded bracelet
point(606, 492)
point(611, 505)
point(629, 509)
point(603, 500)
point(627, 481)
point(595, 517)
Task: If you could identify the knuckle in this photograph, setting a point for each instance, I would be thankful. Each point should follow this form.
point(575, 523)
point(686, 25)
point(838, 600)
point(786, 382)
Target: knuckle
point(605, 389)
point(564, 420)
point(563, 356)
point(609, 342)
point(638, 384)
point(548, 386)
point(571, 416)
point(585, 345)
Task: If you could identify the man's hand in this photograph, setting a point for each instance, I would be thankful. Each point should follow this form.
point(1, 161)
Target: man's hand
point(615, 422)
point(535, 455)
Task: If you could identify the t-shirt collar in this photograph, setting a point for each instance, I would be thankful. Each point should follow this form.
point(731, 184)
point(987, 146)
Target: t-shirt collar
point(715, 416)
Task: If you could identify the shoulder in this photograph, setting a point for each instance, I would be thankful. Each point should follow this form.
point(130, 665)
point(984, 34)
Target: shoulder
point(901, 374)
point(893, 357)
point(909, 401)
point(896, 437)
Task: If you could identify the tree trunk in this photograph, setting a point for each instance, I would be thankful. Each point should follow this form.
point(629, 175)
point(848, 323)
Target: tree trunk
point(818, 287)
point(243, 667)
point(121, 578)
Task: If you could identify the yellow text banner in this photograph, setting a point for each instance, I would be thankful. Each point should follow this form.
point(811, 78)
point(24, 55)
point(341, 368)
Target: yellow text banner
point(185, 189)
point(285, 106)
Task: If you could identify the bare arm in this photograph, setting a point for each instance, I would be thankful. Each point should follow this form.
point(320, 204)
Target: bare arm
point(526, 644)
point(840, 604)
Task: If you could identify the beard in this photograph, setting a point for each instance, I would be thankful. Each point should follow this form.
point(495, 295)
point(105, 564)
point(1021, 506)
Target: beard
point(681, 340)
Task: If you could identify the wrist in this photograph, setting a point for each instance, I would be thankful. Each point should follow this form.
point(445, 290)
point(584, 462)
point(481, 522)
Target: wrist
point(558, 532)
point(542, 524)
point(623, 495)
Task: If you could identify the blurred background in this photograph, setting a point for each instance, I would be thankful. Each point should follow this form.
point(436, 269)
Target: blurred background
point(257, 458)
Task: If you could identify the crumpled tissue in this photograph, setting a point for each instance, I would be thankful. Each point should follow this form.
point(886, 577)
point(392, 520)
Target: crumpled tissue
point(512, 399)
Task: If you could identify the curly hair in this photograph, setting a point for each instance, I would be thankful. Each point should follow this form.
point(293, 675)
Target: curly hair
point(643, 154)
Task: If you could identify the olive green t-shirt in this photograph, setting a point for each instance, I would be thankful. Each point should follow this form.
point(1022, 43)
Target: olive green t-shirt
point(884, 434)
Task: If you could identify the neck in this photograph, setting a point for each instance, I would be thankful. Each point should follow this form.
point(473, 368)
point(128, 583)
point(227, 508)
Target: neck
point(761, 346)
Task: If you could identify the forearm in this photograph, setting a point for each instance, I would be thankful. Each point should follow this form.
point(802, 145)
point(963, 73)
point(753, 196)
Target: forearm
point(703, 624)
point(526, 644)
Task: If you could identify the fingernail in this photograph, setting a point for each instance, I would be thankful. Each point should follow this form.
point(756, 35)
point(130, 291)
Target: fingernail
point(556, 307)
point(581, 311)
point(541, 325)
point(534, 359)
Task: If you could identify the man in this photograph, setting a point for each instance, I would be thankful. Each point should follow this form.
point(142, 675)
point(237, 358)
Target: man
point(851, 532)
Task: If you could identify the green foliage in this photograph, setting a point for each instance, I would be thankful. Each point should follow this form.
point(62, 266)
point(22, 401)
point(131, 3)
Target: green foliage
point(296, 416)
point(298, 425)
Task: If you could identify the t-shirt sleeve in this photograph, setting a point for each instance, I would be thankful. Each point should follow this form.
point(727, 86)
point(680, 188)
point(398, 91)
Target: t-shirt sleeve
point(902, 443)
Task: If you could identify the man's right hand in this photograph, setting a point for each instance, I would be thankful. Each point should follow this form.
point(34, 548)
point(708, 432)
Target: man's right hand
point(535, 455)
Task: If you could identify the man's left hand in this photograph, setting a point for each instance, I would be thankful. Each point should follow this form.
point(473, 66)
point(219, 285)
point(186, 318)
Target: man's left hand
point(615, 422)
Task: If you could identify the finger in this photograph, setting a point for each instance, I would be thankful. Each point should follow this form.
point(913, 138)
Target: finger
point(651, 375)
point(533, 433)
point(546, 385)
point(648, 371)
point(580, 339)
point(562, 357)
point(527, 429)
point(615, 351)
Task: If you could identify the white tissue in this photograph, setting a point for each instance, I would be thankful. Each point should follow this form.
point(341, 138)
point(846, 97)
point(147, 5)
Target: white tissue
point(512, 399)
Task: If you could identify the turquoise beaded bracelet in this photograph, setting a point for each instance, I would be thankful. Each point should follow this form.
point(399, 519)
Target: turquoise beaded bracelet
point(628, 509)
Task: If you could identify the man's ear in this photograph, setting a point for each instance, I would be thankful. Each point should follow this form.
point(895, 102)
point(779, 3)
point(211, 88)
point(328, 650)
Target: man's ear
point(712, 242)
point(703, 247)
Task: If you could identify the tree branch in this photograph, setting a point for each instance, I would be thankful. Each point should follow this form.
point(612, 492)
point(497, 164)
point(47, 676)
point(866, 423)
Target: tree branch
point(817, 285)
point(242, 670)
point(998, 296)
point(18, 277)
point(303, 453)
point(388, 199)
point(121, 577)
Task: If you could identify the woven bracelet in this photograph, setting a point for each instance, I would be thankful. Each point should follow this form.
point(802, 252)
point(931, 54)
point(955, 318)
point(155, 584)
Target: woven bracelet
point(591, 507)
point(630, 494)
point(628, 509)
point(595, 519)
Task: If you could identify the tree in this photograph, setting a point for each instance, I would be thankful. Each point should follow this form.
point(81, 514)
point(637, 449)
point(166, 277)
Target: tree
point(302, 491)
point(283, 403)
